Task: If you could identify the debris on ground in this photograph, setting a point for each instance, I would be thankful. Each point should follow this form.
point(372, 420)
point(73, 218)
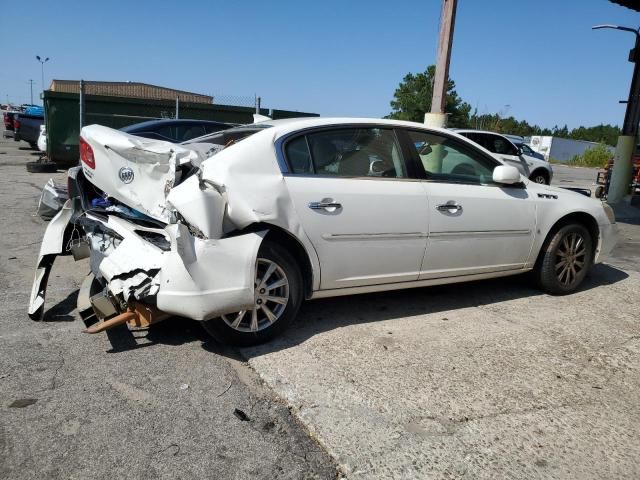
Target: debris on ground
point(241, 415)
point(23, 402)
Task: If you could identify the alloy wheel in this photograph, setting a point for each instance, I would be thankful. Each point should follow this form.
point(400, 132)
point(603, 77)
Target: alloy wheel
point(271, 295)
point(540, 179)
point(570, 258)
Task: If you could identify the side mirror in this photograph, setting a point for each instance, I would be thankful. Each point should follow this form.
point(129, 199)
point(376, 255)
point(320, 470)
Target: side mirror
point(520, 150)
point(506, 174)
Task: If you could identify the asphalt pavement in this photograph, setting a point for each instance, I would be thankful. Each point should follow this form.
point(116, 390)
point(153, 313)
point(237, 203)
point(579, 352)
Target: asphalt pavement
point(160, 403)
point(488, 379)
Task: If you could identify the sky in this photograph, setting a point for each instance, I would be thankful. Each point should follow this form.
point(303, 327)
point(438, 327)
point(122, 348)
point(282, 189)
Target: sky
point(536, 60)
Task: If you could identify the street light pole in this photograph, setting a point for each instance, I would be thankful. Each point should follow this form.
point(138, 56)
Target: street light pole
point(42, 62)
point(622, 166)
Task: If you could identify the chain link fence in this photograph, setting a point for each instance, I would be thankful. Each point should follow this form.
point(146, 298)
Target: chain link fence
point(235, 100)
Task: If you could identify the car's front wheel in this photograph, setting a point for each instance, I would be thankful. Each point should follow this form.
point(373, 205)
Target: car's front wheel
point(277, 299)
point(540, 177)
point(565, 260)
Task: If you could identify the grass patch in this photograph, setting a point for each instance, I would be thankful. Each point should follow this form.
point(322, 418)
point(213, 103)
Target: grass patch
point(596, 157)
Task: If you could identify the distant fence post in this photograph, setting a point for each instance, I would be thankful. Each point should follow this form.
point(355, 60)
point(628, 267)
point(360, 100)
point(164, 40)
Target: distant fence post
point(258, 101)
point(177, 107)
point(81, 104)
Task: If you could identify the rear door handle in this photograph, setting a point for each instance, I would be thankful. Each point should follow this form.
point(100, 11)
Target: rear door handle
point(324, 205)
point(449, 208)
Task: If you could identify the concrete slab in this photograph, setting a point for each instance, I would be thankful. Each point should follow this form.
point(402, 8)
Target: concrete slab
point(483, 380)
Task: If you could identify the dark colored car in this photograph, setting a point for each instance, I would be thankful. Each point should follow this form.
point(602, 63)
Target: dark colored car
point(27, 128)
point(175, 131)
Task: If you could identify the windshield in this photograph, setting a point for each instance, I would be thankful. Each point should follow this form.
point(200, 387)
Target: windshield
point(226, 138)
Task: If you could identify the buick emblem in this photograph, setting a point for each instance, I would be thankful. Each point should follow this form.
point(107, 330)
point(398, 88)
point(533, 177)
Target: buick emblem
point(126, 175)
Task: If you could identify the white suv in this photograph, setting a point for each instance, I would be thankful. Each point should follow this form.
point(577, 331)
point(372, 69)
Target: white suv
point(537, 170)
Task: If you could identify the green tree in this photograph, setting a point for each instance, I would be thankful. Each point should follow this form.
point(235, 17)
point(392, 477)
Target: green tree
point(607, 134)
point(413, 96)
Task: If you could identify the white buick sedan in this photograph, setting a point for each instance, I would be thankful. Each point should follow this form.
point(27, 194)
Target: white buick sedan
point(237, 228)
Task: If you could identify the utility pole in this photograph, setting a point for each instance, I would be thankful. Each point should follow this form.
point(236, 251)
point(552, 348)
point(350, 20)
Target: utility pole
point(622, 167)
point(438, 117)
point(31, 88)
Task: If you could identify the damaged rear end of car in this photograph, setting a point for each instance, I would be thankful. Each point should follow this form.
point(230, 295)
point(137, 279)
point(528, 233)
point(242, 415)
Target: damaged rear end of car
point(156, 232)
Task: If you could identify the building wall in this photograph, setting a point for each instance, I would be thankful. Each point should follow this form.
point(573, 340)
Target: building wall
point(561, 149)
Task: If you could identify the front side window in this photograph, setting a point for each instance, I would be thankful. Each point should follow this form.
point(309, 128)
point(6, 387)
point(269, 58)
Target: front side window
point(347, 152)
point(526, 149)
point(448, 160)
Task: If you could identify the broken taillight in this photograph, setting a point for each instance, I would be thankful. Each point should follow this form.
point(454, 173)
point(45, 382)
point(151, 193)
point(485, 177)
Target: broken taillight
point(86, 154)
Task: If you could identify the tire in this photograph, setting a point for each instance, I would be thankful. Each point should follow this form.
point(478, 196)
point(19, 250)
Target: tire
point(552, 274)
point(33, 145)
point(539, 177)
point(42, 167)
point(253, 330)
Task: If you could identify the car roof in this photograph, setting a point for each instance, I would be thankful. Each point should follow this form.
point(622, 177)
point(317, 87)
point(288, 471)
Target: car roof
point(471, 130)
point(288, 125)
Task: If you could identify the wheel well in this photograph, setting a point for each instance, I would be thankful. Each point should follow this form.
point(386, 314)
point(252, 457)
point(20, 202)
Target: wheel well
point(295, 248)
point(540, 170)
point(580, 218)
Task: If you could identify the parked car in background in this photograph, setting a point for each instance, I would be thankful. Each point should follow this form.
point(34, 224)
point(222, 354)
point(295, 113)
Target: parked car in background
point(175, 131)
point(9, 128)
point(27, 128)
point(531, 167)
point(236, 234)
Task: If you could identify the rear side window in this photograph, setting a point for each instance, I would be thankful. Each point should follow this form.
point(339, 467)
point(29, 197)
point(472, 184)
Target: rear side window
point(503, 146)
point(297, 152)
point(187, 132)
point(347, 152)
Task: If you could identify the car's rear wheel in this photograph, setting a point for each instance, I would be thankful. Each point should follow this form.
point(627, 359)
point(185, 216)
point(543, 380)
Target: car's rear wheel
point(540, 177)
point(565, 260)
point(277, 299)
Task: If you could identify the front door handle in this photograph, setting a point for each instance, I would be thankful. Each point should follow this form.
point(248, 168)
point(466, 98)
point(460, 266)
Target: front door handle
point(324, 205)
point(449, 208)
